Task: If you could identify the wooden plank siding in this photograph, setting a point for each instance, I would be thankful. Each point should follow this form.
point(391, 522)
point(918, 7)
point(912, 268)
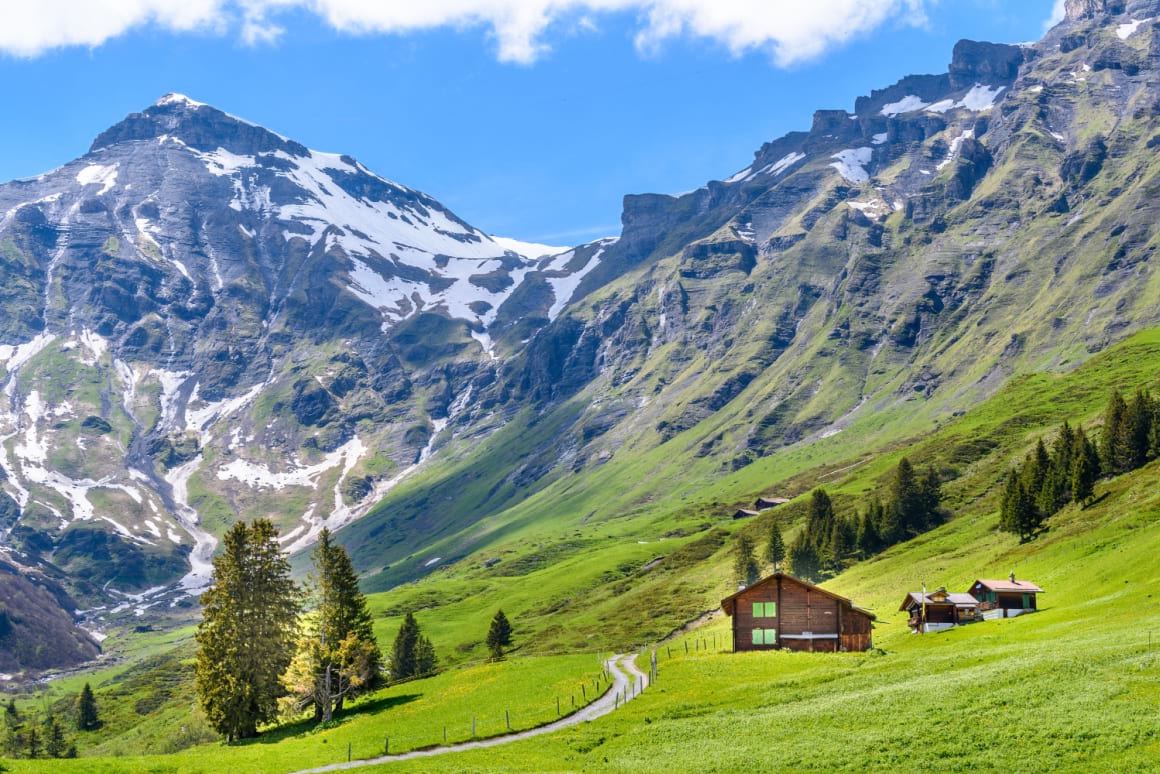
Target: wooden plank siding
point(799, 616)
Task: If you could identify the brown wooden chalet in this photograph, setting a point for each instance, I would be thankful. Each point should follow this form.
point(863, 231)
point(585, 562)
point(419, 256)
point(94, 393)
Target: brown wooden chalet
point(1005, 598)
point(743, 513)
point(765, 503)
point(781, 611)
point(939, 610)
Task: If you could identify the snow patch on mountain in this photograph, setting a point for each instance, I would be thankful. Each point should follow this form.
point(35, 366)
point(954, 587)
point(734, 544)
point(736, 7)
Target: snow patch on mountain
point(955, 149)
point(908, 104)
point(1125, 31)
point(979, 99)
point(97, 174)
point(529, 250)
point(563, 288)
point(851, 164)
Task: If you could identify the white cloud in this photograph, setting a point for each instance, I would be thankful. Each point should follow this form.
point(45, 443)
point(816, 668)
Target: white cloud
point(1058, 14)
point(789, 30)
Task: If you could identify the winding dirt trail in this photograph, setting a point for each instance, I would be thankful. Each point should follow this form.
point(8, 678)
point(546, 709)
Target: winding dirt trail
point(625, 687)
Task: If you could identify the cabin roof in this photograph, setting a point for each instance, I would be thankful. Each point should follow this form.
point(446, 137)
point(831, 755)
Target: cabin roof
point(728, 603)
point(772, 499)
point(743, 513)
point(1026, 587)
point(958, 599)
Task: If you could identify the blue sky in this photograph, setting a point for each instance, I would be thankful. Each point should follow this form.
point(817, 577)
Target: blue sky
point(531, 135)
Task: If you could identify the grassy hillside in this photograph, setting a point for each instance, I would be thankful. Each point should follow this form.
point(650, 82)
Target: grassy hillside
point(580, 572)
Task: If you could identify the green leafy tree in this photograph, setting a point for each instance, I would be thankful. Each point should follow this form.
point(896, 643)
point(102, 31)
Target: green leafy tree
point(499, 635)
point(88, 719)
point(745, 568)
point(775, 548)
point(322, 674)
point(247, 635)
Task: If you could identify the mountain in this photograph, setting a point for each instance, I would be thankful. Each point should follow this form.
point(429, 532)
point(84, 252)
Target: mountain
point(206, 321)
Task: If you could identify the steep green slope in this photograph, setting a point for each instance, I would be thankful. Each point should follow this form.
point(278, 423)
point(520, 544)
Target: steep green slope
point(1072, 683)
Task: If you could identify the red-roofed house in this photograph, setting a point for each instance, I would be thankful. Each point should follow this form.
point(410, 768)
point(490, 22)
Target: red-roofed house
point(1005, 598)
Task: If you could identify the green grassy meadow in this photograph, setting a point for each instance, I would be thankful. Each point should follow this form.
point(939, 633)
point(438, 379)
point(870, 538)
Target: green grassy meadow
point(1073, 687)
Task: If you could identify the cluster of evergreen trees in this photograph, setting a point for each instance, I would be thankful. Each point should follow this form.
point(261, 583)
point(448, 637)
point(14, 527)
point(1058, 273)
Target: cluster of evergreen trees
point(31, 737)
point(412, 655)
point(1067, 472)
point(830, 542)
point(254, 655)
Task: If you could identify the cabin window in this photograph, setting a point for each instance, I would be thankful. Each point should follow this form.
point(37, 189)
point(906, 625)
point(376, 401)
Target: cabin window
point(1026, 601)
point(765, 636)
point(765, 610)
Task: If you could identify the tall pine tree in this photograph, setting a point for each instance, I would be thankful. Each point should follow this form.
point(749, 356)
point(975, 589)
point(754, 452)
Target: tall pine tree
point(246, 637)
point(412, 654)
point(1114, 438)
point(745, 568)
point(499, 635)
point(1085, 470)
point(87, 717)
point(775, 548)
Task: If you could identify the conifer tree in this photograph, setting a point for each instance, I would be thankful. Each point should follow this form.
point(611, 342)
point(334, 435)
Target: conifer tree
point(32, 742)
point(775, 549)
point(403, 650)
point(342, 613)
point(930, 496)
point(425, 659)
point(1085, 470)
point(804, 561)
point(907, 501)
point(1009, 503)
point(87, 717)
point(869, 542)
point(838, 548)
point(1138, 430)
point(247, 634)
point(745, 567)
point(499, 635)
point(1114, 438)
point(55, 744)
point(13, 731)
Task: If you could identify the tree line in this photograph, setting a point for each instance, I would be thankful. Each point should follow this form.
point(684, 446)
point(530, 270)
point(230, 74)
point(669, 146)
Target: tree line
point(829, 543)
point(1067, 472)
point(262, 654)
point(30, 736)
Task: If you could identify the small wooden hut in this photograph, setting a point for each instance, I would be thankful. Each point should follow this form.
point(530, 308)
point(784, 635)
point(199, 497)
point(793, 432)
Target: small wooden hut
point(781, 611)
point(939, 610)
point(765, 503)
point(1005, 598)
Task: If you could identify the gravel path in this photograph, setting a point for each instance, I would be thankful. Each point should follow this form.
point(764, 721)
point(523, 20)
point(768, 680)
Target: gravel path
point(624, 688)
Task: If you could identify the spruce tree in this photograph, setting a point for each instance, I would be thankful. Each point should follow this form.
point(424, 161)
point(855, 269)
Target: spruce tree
point(13, 731)
point(403, 650)
point(775, 549)
point(930, 495)
point(1085, 471)
point(247, 635)
point(32, 742)
point(906, 500)
point(1138, 430)
point(838, 548)
point(342, 613)
point(425, 658)
point(745, 567)
point(1114, 438)
point(55, 744)
point(869, 542)
point(1009, 503)
point(87, 716)
point(499, 635)
point(804, 561)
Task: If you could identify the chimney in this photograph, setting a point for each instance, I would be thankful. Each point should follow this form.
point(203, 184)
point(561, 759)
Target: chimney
point(1012, 576)
point(741, 586)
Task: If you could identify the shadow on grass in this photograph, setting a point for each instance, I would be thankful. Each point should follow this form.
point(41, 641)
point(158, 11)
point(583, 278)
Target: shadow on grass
point(306, 725)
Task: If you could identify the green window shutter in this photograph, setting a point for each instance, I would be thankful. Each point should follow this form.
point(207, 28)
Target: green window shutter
point(757, 636)
point(771, 610)
point(757, 607)
point(1026, 601)
point(771, 636)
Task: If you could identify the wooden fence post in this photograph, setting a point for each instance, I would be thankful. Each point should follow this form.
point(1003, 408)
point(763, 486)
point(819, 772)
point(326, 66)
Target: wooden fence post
point(584, 692)
point(348, 752)
point(473, 728)
point(386, 745)
point(557, 706)
point(444, 734)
